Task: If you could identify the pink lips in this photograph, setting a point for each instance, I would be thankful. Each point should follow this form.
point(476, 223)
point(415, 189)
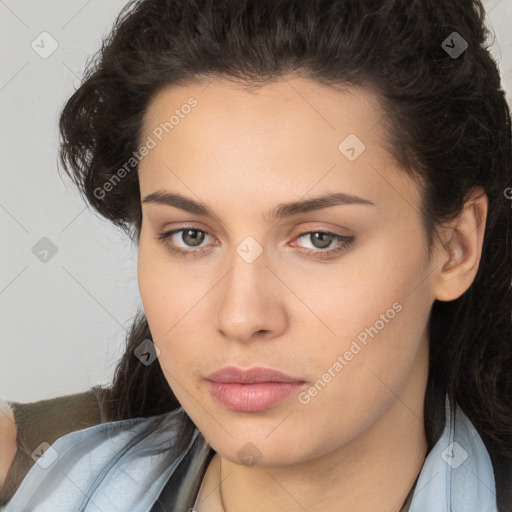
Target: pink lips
point(251, 390)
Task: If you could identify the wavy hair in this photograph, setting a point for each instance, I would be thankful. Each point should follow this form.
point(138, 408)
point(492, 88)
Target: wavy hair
point(447, 124)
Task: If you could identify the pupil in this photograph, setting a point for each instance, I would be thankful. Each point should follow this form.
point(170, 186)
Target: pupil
point(324, 239)
point(196, 240)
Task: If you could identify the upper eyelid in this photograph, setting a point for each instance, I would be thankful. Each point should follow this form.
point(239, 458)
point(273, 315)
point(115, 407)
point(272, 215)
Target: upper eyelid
point(308, 231)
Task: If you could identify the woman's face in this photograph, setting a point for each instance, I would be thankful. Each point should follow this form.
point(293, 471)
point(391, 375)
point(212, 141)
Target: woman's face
point(345, 313)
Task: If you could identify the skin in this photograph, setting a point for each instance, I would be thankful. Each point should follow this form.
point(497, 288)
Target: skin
point(243, 153)
point(7, 440)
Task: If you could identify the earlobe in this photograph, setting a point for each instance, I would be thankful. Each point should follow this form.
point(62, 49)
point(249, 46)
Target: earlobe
point(462, 243)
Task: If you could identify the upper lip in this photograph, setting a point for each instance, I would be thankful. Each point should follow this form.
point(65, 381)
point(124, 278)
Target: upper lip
point(231, 374)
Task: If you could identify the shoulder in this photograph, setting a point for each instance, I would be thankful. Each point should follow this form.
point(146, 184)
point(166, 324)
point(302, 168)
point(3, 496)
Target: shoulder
point(131, 458)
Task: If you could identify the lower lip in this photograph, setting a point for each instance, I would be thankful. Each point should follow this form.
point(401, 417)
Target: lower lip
point(252, 397)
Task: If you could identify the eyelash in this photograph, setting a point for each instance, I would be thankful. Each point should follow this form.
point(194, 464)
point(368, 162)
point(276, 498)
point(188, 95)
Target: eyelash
point(348, 241)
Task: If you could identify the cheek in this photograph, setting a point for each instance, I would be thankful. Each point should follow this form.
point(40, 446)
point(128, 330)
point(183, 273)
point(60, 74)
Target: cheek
point(373, 314)
point(154, 290)
point(171, 297)
point(363, 372)
point(168, 289)
point(366, 287)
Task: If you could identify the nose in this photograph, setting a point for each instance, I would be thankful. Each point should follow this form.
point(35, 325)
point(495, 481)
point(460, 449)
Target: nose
point(250, 302)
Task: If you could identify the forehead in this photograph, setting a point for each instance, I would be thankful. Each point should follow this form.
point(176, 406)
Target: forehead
point(278, 104)
point(286, 118)
point(288, 136)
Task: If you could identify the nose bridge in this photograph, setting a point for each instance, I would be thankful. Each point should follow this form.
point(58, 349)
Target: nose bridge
point(247, 303)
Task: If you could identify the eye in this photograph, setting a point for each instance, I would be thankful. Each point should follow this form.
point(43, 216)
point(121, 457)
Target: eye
point(323, 239)
point(193, 238)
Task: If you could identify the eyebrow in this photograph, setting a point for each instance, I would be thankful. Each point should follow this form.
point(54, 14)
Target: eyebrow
point(281, 211)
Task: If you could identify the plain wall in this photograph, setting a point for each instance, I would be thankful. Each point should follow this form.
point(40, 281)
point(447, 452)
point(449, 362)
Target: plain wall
point(64, 320)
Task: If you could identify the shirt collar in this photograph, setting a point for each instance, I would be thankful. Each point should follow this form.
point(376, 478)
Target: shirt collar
point(457, 474)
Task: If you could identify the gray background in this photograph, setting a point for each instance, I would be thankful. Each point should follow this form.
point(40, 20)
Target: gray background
point(63, 320)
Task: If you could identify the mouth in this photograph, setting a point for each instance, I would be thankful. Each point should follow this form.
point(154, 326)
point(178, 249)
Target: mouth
point(251, 390)
point(255, 375)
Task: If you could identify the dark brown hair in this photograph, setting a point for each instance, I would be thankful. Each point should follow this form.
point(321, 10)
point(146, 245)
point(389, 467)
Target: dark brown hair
point(446, 118)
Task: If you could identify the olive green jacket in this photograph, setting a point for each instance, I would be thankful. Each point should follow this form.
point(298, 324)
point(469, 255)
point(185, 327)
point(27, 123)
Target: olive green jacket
point(46, 421)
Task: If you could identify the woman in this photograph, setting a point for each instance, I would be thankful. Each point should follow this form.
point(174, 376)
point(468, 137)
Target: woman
point(318, 193)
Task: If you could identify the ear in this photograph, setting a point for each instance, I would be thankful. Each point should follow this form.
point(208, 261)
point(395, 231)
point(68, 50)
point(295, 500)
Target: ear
point(462, 241)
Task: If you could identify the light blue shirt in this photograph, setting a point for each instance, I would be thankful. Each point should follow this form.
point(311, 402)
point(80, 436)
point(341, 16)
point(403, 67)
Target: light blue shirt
point(123, 465)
